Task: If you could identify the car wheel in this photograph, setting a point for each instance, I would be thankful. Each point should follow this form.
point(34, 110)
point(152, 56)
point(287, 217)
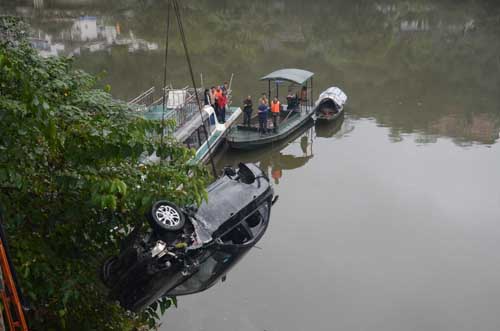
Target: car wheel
point(166, 216)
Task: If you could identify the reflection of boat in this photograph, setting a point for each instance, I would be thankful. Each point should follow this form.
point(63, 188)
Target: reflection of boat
point(330, 104)
point(280, 156)
point(338, 129)
point(327, 129)
point(243, 137)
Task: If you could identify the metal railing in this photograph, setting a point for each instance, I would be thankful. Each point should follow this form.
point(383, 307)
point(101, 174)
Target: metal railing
point(145, 99)
point(181, 104)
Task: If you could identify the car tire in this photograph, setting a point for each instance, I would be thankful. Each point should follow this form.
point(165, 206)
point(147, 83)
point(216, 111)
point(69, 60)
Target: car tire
point(166, 216)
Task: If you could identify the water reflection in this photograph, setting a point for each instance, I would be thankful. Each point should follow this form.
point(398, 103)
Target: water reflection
point(87, 34)
point(279, 158)
point(325, 129)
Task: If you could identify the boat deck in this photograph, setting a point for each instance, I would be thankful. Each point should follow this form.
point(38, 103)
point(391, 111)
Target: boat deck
point(191, 120)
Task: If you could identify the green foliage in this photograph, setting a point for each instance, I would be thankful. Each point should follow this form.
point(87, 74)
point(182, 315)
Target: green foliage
point(71, 184)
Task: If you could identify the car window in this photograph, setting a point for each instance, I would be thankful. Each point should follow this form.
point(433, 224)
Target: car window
point(249, 228)
point(237, 236)
point(209, 270)
point(257, 218)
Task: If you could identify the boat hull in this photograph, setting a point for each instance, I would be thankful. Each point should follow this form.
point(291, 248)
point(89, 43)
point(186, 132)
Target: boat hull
point(216, 138)
point(257, 140)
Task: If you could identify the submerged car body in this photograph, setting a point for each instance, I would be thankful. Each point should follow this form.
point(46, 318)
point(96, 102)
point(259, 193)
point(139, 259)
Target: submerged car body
point(190, 259)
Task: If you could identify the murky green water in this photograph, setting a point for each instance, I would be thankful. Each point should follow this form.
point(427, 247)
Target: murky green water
point(388, 219)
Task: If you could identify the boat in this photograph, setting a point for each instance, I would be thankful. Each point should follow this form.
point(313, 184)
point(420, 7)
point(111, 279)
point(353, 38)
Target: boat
point(295, 114)
point(274, 155)
point(330, 104)
point(189, 129)
point(187, 250)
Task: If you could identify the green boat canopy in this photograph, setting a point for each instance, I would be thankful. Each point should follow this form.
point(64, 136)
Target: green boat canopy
point(298, 76)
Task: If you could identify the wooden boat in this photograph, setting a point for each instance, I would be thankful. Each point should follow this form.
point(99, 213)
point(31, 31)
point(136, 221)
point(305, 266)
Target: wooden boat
point(291, 119)
point(330, 104)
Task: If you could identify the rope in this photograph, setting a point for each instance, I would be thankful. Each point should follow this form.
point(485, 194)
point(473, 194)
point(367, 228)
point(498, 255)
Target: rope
point(188, 59)
point(165, 79)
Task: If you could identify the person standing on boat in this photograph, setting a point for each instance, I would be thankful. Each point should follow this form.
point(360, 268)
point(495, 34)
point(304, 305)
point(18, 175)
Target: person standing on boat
point(247, 110)
point(212, 97)
point(225, 87)
point(263, 99)
point(275, 112)
point(222, 107)
point(263, 117)
point(217, 96)
point(206, 98)
point(303, 95)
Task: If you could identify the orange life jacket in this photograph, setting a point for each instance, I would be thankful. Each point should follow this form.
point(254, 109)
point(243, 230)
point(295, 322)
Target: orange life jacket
point(275, 107)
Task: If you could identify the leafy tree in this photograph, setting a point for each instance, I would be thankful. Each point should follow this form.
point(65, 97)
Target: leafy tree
point(72, 184)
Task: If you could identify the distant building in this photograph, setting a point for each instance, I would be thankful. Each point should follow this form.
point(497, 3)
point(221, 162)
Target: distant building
point(84, 29)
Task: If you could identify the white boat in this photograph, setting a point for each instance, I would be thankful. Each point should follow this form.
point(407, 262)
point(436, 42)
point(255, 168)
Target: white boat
point(216, 133)
point(330, 104)
point(182, 107)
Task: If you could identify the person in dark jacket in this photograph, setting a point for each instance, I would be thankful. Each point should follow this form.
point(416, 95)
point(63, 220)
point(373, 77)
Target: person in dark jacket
point(263, 109)
point(247, 110)
point(206, 99)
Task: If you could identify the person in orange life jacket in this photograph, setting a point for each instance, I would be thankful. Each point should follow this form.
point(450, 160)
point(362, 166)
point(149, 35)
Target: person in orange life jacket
point(263, 109)
point(275, 112)
point(222, 107)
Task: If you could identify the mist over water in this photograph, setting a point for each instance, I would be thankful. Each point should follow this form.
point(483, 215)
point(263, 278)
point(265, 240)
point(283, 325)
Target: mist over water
point(387, 219)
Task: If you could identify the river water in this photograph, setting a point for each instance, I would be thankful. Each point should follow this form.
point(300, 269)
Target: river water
point(387, 219)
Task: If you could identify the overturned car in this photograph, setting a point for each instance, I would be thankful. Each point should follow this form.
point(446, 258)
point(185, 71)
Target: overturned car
point(187, 250)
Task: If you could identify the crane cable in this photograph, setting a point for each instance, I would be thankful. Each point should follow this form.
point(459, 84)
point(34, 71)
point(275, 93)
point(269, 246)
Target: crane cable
point(165, 62)
point(188, 59)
